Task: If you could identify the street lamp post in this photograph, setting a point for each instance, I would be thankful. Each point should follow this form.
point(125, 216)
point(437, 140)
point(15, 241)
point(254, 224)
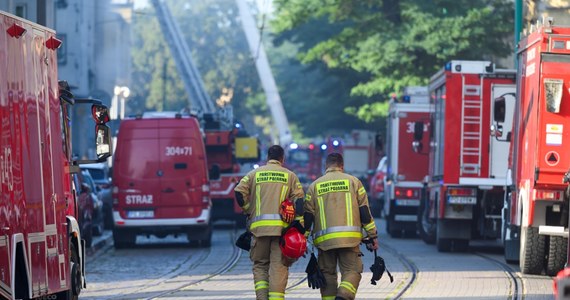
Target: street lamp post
point(121, 93)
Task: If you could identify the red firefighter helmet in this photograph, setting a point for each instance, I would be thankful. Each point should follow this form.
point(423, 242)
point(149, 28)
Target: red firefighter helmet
point(293, 244)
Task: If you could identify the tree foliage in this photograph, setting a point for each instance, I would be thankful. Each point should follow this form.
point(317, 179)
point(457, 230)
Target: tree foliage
point(393, 43)
point(219, 51)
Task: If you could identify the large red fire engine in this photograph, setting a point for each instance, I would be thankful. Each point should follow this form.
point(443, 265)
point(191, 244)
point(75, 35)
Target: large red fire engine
point(360, 152)
point(536, 210)
point(41, 251)
point(305, 161)
point(226, 150)
point(464, 191)
point(406, 169)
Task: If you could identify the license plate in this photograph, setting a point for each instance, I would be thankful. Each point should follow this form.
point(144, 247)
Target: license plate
point(462, 200)
point(140, 214)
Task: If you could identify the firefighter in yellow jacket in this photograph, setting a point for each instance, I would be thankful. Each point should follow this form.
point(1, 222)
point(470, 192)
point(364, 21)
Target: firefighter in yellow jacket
point(338, 205)
point(263, 194)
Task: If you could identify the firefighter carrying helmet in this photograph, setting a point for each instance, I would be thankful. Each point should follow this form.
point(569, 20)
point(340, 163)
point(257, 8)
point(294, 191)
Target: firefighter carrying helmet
point(293, 243)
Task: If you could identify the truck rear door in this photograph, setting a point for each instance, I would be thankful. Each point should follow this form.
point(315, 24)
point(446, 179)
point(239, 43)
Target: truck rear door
point(500, 146)
point(554, 118)
point(137, 168)
point(411, 166)
point(182, 169)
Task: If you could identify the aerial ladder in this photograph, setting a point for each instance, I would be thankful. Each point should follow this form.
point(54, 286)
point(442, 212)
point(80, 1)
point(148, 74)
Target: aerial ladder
point(265, 75)
point(200, 102)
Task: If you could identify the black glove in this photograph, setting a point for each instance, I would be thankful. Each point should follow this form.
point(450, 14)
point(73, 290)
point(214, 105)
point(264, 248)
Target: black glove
point(295, 224)
point(315, 277)
point(378, 269)
point(369, 243)
point(244, 241)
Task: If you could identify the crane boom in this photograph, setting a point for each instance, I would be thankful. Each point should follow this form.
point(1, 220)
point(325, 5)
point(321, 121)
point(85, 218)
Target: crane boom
point(191, 78)
point(265, 75)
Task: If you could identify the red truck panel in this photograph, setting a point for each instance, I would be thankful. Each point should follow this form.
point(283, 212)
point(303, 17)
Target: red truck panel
point(553, 130)
point(411, 165)
point(35, 183)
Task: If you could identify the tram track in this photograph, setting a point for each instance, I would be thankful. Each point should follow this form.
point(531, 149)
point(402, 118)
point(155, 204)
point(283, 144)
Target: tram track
point(224, 268)
point(517, 291)
point(398, 293)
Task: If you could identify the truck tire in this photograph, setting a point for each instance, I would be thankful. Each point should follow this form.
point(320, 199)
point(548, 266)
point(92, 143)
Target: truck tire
point(443, 245)
point(392, 227)
point(461, 245)
point(511, 251)
point(75, 289)
point(426, 227)
point(557, 247)
point(87, 235)
point(241, 221)
point(531, 260)
point(123, 238)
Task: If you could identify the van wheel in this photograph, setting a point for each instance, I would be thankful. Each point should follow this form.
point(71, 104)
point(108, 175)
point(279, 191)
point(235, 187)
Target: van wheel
point(123, 238)
point(207, 242)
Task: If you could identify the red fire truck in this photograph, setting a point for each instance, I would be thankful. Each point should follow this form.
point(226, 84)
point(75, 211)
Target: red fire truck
point(226, 150)
point(464, 189)
point(305, 161)
point(41, 251)
point(359, 150)
point(536, 208)
point(406, 167)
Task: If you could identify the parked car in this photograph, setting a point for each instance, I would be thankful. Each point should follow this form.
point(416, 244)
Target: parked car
point(98, 216)
point(85, 206)
point(376, 192)
point(100, 174)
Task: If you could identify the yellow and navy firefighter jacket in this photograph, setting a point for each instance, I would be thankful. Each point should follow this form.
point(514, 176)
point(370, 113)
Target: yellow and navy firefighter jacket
point(335, 199)
point(263, 190)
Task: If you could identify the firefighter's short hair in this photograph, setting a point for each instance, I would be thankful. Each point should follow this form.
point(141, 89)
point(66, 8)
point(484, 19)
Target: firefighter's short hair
point(334, 159)
point(275, 152)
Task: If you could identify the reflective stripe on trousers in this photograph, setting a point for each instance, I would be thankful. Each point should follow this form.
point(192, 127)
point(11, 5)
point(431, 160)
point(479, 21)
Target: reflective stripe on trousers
point(262, 284)
point(347, 285)
point(276, 296)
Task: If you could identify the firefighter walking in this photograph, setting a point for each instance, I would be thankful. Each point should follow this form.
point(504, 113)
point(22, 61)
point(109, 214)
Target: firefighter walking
point(266, 195)
point(337, 204)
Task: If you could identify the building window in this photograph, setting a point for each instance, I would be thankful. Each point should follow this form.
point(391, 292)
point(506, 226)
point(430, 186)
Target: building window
point(21, 11)
point(62, 51)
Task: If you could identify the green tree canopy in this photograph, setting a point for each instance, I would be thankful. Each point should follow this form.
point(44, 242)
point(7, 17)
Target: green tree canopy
point(219, 51)
point(392, 44)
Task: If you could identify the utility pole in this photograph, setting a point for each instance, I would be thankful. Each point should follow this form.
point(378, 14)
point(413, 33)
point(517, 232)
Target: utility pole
point(518, 27)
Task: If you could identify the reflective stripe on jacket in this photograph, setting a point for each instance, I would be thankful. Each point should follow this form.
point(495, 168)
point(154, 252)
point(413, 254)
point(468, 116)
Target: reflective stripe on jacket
point(263, 190)
point(334, 199)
